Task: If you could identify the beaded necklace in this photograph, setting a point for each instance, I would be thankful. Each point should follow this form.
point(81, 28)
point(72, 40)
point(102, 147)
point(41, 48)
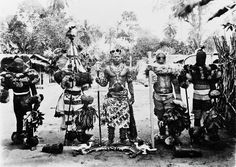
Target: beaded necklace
point(117, 70)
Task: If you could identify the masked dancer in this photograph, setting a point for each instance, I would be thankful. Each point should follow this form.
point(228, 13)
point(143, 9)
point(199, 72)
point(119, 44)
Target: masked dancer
point(116, 106)
point(18, 76)
point(204, 78)
point(166, 83)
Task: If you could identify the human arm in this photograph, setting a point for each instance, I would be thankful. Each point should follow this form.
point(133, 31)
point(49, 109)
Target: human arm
point(130, 86)
point(7, 80)
point(33, 89)
point(36, 101)
point(33, 80)
point(176, 85)
point(185, 77)
point(4, 93)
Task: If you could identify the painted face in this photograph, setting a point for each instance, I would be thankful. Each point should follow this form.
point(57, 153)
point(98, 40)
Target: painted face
point(116, 56)
point(160, 58)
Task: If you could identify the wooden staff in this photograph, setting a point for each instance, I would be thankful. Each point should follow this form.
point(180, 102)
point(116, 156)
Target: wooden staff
point(99, 113)
point(70, 102)
point(150, 100)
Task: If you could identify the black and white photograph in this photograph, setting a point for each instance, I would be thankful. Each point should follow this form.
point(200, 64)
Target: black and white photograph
point(118, 83)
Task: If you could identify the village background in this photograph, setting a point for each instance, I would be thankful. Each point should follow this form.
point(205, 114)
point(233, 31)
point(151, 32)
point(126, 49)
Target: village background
point(37, 28)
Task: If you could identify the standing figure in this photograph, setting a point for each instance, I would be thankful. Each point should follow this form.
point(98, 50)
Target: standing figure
point(116, 106)
point(21, 79)
point(75, 83)
point(164, 87)
point(204, 77)
point(73, 104)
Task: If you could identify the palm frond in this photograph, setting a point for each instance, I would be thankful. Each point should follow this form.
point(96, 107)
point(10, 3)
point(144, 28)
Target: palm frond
point(186, 9)
point(222, 11)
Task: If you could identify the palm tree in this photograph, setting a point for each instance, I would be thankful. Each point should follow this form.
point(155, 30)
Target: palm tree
point(88, 33)
point(170, 31)
point(58, 5)
point(110, 37)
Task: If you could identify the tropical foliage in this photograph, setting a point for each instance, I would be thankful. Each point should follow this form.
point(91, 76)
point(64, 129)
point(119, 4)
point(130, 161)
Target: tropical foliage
point(227, 62)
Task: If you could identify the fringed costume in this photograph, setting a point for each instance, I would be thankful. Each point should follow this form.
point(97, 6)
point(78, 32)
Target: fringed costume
point(204, 78)
point(73, 104)
point(163, 96)
point(165, 85)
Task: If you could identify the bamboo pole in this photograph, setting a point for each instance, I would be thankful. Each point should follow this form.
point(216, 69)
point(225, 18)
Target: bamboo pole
point(151, 101)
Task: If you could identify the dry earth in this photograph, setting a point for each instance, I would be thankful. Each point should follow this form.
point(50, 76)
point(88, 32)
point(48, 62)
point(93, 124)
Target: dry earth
point(220, 154)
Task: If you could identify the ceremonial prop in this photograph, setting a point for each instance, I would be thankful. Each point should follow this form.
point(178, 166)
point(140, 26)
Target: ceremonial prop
point(138, 148)
point(99, 113)
point(181, 151)
point(74, 105)
point(133, 149)
point(31, 121)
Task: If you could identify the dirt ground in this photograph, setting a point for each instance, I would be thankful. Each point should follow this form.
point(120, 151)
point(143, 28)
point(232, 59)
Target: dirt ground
point(219, 154)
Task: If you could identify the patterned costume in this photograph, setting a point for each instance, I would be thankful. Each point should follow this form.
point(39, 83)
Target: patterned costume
point(73, 104)
point(116, 107)
point(18, 77)
point(74, 85)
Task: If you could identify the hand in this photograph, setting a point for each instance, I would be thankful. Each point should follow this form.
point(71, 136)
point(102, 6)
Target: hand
point(131, 100)
point(103, 121)
point(57, 114)
point(185, 85)
point(188, 76)
point(98, 66)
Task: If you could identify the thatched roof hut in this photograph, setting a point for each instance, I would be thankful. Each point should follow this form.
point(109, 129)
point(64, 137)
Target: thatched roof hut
point(38, 62)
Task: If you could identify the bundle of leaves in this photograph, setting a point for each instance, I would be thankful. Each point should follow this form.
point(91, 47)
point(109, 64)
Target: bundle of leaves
point(87, 99)
point(82, 78)
point(158, 69)
point(177, 119)
point(11, 79)
point(7, 79)
point(67, 82)
point(86, 118)
point(36, 120)
point(212, 121)
point(4, 95)
point(60, 74)
point(65, 78)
